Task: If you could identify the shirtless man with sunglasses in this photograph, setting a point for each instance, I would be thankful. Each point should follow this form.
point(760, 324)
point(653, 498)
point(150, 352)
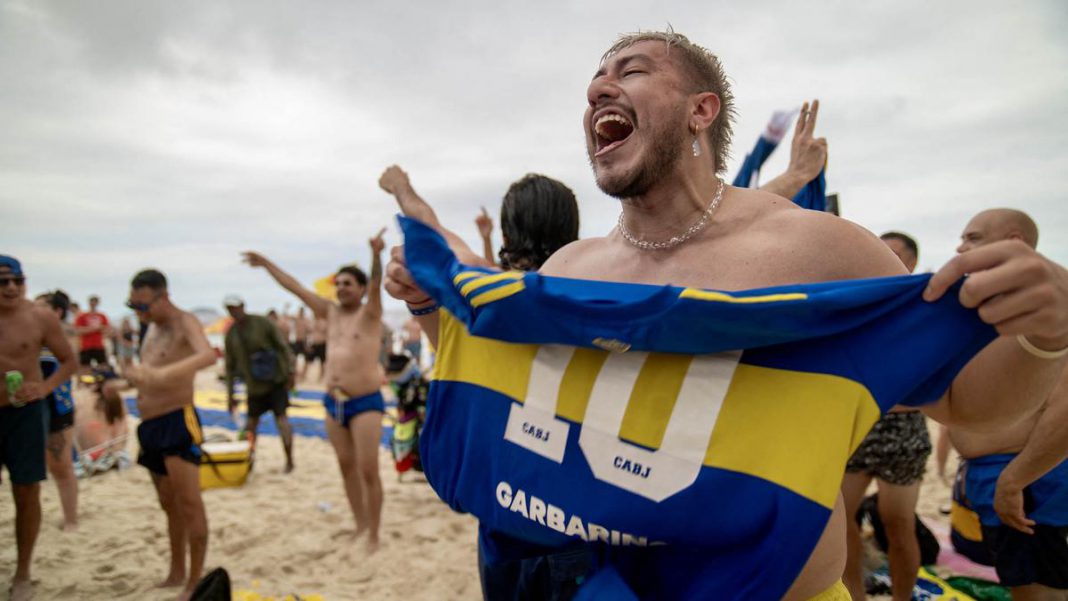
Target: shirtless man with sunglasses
point(25, 329)
point(174, 350)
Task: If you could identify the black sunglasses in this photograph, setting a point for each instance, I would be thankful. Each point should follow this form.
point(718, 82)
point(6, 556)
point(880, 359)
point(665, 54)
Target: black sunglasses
point(141, 307)
point(18, 280)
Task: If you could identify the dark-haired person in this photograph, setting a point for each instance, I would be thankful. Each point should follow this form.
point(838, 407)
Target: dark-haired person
point(539, 215)
point(27, 329)
point(60, 421)
point(894, 454)
point(173, 351)
point(353, 402)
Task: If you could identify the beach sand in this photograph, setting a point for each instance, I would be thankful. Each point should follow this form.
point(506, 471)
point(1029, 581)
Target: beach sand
point(278, 535)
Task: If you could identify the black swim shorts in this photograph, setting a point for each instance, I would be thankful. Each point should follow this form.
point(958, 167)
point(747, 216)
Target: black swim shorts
point(23, 432)
point(174, 434)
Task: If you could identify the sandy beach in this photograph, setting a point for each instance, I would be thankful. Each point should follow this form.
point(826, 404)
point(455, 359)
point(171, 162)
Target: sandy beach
point(278, 535)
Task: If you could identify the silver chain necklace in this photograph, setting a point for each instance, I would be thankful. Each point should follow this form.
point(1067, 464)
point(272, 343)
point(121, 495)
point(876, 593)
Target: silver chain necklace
point(675, 240)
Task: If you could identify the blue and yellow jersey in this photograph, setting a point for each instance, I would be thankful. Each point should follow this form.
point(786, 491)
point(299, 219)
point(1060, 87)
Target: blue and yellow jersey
point(698, 438)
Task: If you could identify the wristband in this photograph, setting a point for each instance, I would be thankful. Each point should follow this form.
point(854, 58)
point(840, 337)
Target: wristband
point(1041, 354)
point(423, 310)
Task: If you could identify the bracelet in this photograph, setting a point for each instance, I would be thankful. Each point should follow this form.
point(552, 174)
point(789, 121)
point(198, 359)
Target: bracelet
point(1041, 354)
point(423, 310)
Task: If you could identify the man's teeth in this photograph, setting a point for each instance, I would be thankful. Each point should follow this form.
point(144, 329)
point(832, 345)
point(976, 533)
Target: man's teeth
point(607, 118)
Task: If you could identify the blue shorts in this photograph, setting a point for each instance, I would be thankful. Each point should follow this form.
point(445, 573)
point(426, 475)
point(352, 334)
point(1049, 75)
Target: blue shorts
point(174, 434)
point(1021, 559)
point(345, 409)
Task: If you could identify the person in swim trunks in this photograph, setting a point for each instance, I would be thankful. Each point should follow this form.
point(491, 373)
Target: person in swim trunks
point(353, 404)
point(657, 128)
point(61, 421)
point(894, 454)
point(173, 351)
point(27, 328)
point(1016, 477)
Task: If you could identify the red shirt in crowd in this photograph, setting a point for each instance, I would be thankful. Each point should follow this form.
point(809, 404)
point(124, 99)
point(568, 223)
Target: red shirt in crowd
point(91, 319)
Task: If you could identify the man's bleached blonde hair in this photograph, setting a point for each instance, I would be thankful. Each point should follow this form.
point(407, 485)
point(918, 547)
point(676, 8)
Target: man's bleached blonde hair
point(701, 72)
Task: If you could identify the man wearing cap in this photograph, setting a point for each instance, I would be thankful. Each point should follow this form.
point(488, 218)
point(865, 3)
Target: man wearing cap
point(91, 327)
point(257, 353)
point(23, 418)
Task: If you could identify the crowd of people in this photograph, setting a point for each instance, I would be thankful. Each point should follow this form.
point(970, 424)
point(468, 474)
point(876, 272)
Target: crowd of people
point(658, 129)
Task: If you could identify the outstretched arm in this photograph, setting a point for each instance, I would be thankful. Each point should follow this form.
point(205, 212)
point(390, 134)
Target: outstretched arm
point(374, 286)
point(1021, 293)
point(807, 155)
point(485, 231)
point(319, 305)
point(395, 181)
point(1046, 448)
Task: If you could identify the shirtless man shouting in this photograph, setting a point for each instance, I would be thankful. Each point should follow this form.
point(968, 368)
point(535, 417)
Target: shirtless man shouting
point(174, 350)
point(353, 402)
point(24, 329)
point(657, 128)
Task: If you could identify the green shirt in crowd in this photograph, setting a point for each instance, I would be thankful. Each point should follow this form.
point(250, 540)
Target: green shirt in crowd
point(255, 334)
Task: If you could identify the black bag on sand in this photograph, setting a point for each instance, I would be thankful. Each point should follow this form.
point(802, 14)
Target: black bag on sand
point(213, 587)
point(929, 547)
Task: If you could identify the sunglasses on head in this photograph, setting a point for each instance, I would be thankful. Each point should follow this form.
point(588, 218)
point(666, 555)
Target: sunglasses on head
point(18, 280)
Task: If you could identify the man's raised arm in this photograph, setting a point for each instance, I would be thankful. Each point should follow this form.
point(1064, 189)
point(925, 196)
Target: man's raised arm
point(807, 156)
point(374, 284)
point(319, 305)
point(395, 181)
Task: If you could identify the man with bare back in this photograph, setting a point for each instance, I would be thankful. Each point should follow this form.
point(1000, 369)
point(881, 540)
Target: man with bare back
point(657, 128)
point(24, 330)
point(353, 403)
point(173, 351)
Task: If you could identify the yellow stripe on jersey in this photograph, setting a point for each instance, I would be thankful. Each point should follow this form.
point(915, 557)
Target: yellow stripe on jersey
point(653, 398)
point(798, 444)
point(463, 276)
point(498, 293)
point(484, 281)
point(802, 415)
point(577, 384)
point(496, 365)
point(722, 297)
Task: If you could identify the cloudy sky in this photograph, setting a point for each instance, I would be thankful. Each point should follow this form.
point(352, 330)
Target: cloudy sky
point(177, 134)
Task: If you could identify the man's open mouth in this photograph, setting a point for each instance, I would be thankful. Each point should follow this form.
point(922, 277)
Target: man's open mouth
point(610, 131)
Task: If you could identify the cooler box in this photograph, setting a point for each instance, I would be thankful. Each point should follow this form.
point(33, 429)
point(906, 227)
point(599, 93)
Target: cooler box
point(225, 464)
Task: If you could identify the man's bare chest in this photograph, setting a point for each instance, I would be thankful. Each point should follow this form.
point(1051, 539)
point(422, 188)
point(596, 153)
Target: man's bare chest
point(164, 346)
point(20, 337)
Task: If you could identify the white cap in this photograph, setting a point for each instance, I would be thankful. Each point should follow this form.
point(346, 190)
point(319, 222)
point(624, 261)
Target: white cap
point(233, 300)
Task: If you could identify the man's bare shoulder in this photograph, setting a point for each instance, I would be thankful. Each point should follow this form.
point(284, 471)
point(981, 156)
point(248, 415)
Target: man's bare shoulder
point(841, 248)
point(569, 258)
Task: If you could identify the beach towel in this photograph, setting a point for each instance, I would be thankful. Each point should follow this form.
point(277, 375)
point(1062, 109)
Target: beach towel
point(697, 438)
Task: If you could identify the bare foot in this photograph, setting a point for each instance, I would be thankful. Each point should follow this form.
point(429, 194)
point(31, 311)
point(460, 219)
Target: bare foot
point(185, 595)
point(69, 527)
point(289, 468)
point(172, 581)
point(373, 544)
point(21, 590)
